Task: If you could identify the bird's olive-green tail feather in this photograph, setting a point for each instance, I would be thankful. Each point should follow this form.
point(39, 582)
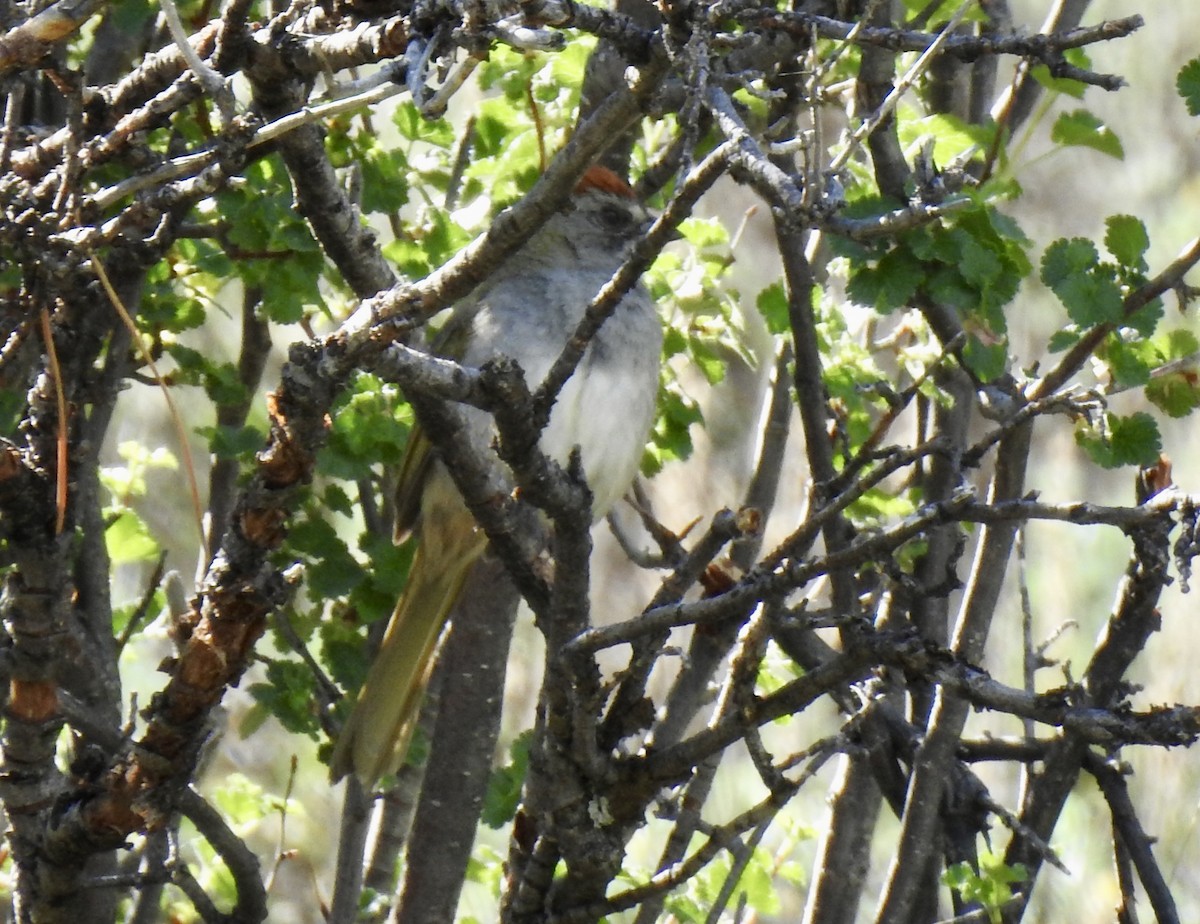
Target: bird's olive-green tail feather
point(376, 737)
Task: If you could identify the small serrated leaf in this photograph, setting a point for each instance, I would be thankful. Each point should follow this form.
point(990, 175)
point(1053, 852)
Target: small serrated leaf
point(1132, 440)
point(889, 285)
point(1127, 240)
point(1065, 85)
point(504, 787)
point(1070, 268)
point(415, 127)
point(1145, 319)
point(1091, 299)
point(335, 574)
point(979, 265)
point(987, 361)
point(1178, 344)
point(335, 497)
point(1066, 258)
point(1084, 129)
point(1063, 338)
point(1177, 394)
point(128, 539)
point(1188, 84)
point(772, 304)
point(288, 695)
point(703, 232)
point(232, 442)
point(1130, 362)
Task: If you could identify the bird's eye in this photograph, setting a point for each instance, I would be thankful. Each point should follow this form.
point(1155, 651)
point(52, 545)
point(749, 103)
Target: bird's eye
point(615, 218)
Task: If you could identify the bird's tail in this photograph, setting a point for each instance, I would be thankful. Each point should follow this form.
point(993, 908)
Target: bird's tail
point(375, 738)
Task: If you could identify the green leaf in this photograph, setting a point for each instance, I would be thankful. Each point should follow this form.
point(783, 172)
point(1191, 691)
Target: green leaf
point(987, 361)
point(122, 614)
point(493, 129)
point(1082, 128)
point(958, 876)
point(709, 359)
point(510, 158)
point(877, 505)
point(389, 563)
point(486, 867)
point(370, 425)
point(415, 127)
point(1177, 394)
point(335, 498)
point(409, 257)
point(130, 16)
point(1127, 240)
point(890, 284)
point(287, 304)
point(682, 907)
point(253, 719)
point(1145, 320)
point(1063, 338)
point(674, 342)
point(991, 887)
point(758, 883)
point(1091, 299)
point(1132, 440)
point(128, 539)
point(223, 385)
point(1177, 344)
point(1188, 84)
point(333, 571)
point(772, 304)
point(241, 800)
point(504, 787)
point(704, 232)
point(951, 135)
point(1065, 85)
point(1066, 258)
point(314, 536)
point(166, 308)
point(979, 265)
point(1135, 438)
point(12, 406)
point(129, 480)
point(334, 575)
point(289, 696)
point(509, 70)
point(671, 438)
point(385, 180)
point(975, 266)
point(343, 652)
point(233, 442)
point(1129, 361)
point(568, 66)
point(197, 369)
point(1070, 268)
point(938, 14)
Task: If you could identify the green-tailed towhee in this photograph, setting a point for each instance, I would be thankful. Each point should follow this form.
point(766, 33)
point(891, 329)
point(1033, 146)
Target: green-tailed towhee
point(526, 311)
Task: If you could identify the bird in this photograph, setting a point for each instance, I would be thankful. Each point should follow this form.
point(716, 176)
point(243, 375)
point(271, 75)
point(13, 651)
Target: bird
point(526, 311)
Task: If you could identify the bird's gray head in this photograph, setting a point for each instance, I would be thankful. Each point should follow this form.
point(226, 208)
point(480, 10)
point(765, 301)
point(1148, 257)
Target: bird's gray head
point(602, 220)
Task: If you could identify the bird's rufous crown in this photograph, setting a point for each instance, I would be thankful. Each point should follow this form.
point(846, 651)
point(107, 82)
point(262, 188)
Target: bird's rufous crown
point(601, 179)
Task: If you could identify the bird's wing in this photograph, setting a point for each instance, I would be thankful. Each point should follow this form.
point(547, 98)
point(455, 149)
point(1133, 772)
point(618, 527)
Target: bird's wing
point(410, 485)
point(419, 454)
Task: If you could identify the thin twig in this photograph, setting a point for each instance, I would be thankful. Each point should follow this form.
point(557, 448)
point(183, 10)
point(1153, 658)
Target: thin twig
point(176, 418)
point(211, 79)
point(60, 398)
point(902, 86)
